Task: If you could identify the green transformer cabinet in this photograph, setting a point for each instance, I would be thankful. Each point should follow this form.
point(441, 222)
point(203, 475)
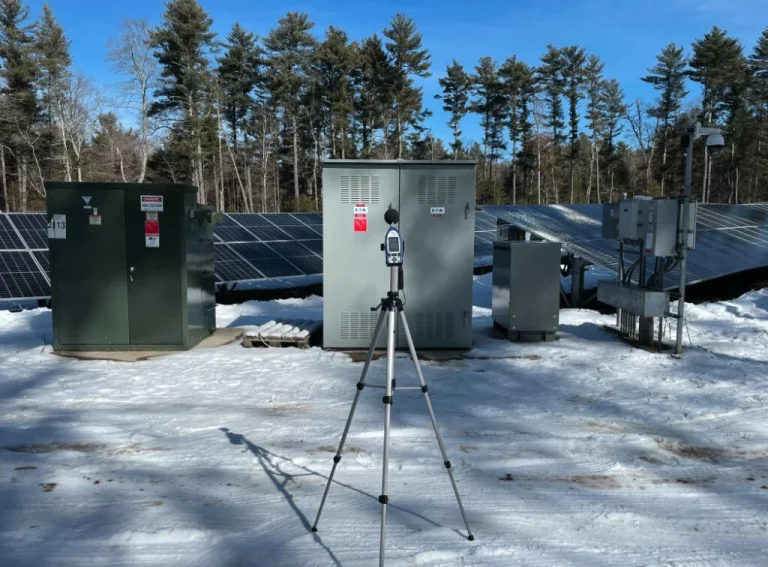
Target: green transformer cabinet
point(131, 267)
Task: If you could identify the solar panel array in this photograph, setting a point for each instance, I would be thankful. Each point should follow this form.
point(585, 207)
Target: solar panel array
point(24, 263)
point(729, 239)
point(277, 249)
point(251, 247)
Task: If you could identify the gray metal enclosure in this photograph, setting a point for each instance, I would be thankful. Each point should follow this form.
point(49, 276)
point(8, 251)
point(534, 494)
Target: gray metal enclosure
point(526, 289)
point(436, 200)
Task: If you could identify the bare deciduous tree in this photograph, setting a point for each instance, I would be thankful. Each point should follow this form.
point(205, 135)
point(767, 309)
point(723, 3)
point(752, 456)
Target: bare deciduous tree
point(131, 55)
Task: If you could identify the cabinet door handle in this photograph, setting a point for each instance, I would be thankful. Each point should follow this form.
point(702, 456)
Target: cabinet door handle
point(466, 211)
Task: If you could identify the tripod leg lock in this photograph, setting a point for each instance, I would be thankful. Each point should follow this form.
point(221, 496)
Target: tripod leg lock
point(387, 400)
point(360, 385)
point(424, 388)
point(447, 464)
point(384, 499)
point(336, 459)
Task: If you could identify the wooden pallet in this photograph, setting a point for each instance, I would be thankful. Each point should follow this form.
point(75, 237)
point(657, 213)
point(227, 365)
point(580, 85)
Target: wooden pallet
point(280, 333)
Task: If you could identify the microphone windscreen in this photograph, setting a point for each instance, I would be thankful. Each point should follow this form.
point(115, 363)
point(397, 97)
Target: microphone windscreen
point(392, 216)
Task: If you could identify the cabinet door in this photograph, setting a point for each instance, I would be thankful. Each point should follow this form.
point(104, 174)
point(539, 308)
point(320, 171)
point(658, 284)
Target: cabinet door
point(437, 219)
point(89, 276)
point(155, 268)
point(355, 275)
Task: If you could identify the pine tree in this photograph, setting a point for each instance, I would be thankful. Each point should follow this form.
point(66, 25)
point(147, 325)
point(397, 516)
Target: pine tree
point(550, 76)
point(668, 78)
point(19, 110)
point(238, 73)
point(574, 58)
point(183, 43)
point(53, 62)
point(409, 60)
point(374, 98)
point(526, 158)
point(490, 103)
point(336, 60)
point(613, 109)
point(456, 88)
point(717, 62)
point(758, 67)
point(290, 47)
point(593, 76)
point(513, 74)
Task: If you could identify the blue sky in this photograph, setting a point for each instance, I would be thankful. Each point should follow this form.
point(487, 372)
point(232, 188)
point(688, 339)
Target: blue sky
point(626, 35)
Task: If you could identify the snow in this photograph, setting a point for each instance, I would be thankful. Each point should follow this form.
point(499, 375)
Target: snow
point(585, 451)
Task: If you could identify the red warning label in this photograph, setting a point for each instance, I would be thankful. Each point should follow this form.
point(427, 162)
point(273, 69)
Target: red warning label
point(361, 218)
point(152, 233)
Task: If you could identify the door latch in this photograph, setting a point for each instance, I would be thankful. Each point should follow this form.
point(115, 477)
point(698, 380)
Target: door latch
point(130, 274)
point(466, 211)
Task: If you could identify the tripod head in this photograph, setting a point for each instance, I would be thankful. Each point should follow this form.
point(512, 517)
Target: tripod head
point(393, 246)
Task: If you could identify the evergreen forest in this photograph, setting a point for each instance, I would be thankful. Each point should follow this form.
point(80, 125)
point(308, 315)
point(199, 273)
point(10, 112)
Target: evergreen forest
point(250, 120)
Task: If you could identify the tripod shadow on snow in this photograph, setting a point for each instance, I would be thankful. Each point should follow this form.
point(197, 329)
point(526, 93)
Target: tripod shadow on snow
point(280, 478)
point(270, 462)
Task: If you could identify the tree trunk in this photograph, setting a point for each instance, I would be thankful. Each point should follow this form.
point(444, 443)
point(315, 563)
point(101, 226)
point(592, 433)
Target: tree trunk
point(610, 197)
point(65, 153)
point(704, 183)
point(664, 161)
point(591, 168)
point(203, 199)
point(573, 176)
point(295, 160)
point(220, 190)
point(277, 187)
point(22, 184)
point(344, 142)
point(597, 177)
point(399, 135)
point(144, 137)
point(514, 172)
point(6, 203)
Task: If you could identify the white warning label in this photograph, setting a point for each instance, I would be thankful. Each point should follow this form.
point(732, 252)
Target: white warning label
point(152, 203)
point(437, 211)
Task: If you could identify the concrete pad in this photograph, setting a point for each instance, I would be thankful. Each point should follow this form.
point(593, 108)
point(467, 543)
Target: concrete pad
point(220, 337)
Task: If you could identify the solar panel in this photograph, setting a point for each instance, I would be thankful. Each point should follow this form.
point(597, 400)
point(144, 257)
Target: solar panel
point(42, 259)
point(315, 246)
point(33, 229)
point(9, 239)
point(310, 265)
point(730, 238)
point(283, 219)
point(301, 232)
point(278, 268)
point(249, 219)
point(233, 233)
point(268, 233)
point(254, 251)
point(229, 267)
point(20, 277)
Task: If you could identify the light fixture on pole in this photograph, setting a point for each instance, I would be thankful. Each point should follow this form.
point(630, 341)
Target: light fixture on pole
point(715, 143)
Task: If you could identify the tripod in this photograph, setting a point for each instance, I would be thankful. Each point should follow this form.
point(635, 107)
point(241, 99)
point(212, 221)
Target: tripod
point(391, 305)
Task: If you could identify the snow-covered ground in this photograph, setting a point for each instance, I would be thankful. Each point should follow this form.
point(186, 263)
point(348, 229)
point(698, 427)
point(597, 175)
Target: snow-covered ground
point(581, 452)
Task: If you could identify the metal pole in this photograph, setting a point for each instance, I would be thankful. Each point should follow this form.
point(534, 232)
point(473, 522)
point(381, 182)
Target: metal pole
point(391, 330)
point(621, 280)
point(684, 238)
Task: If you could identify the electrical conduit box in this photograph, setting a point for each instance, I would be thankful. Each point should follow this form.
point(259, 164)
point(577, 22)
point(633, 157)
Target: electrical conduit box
point(526, 289)
point(436, 201)
point(133, 270)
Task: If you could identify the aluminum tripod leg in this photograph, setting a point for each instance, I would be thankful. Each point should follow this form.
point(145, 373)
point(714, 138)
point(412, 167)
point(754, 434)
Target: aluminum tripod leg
point(423, 385)
point(360, 386)
point(384, 498)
